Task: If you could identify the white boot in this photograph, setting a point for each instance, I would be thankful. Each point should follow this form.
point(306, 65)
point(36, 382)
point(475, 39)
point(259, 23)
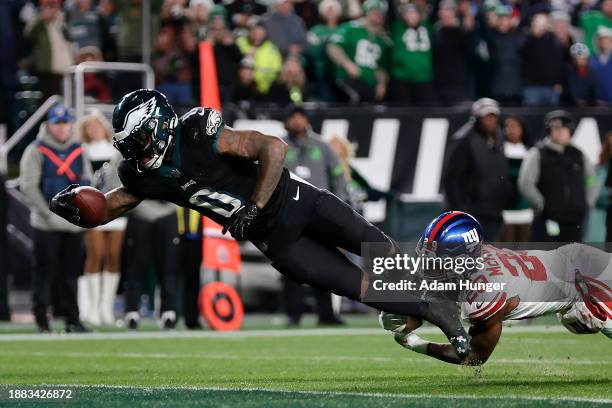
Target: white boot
point(83, 297)
point(93, 286)
point(110, 281)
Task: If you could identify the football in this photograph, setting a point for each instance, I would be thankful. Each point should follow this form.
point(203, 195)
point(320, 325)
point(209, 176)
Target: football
point(91, 204)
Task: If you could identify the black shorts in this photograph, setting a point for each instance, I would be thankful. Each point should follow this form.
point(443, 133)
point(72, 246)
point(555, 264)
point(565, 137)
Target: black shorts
point(305, 243)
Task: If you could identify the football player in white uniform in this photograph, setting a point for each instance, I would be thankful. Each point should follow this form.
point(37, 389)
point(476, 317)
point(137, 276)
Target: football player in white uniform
point(573, 281)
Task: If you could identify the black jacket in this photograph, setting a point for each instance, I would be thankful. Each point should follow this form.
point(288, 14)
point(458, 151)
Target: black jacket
point(476, 176)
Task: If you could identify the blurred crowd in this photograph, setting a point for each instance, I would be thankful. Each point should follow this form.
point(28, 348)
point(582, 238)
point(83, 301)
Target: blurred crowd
point(279, 51)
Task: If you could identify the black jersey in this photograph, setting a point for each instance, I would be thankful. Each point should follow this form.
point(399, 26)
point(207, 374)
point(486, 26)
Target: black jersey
point(201, 179)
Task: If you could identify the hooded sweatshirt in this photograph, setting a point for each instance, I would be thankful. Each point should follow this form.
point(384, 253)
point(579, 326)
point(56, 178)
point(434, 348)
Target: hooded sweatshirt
point(30, 179)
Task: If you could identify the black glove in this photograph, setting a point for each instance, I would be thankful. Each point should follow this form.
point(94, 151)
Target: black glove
point(241, 221)
point(61, 204)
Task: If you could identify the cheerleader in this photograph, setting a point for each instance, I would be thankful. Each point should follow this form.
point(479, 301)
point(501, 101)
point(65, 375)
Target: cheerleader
point(103, 244)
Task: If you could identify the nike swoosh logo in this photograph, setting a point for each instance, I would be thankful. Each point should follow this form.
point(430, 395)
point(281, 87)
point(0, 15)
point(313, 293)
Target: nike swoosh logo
point(297, 195)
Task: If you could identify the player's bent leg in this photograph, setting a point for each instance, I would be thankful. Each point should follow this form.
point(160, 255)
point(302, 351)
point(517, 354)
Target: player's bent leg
point(335, 223)
point(308, 261)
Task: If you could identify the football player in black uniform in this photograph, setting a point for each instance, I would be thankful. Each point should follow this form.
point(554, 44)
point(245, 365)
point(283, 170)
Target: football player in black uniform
point(237, 178)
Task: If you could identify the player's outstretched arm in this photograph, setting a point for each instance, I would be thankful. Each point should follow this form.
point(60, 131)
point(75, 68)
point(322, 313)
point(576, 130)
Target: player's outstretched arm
point(484, 336)
point(118, 201)
point(270, 151)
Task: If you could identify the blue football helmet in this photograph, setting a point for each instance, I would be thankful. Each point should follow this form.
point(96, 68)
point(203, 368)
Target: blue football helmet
point(451, 234)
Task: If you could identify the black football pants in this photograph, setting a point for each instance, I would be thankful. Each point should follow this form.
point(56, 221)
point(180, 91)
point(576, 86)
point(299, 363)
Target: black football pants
point(148, 242)
point(304, 246)
point(57, 264)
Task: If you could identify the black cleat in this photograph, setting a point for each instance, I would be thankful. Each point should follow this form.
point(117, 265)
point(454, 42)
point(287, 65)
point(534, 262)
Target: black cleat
point(332, 321)
point(42, 324)
point(194, 325)
point(77, 327)
point(445, 315)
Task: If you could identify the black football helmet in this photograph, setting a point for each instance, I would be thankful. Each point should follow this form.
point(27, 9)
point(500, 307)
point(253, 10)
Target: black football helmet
point(145, 125)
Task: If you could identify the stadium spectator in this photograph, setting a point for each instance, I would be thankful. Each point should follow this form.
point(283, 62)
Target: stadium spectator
point(151, 240)
point(411, 60)
point(103, 244)
point(84, 24)
point(451, 41)
point(515, 149)
point(560, 23)
point(285, 28)
point(311, 159)
point(360, 51)
point(108, 28)
point(246, 89)
point(504, 42)
point(601, 63)
point(583, 87)
point(175, 50)
point(227, 58)
point(290, 86)
point(95, 84)
point(599, 221)
point(558, 181)
point(267, 59)
point(198, 14)
point(48, 165)
point(190, 261)
point(307, 11)
point(475, 175)
point(129, 28)
point(51, 51)
point(318, 37)
point(591, 20)
point(244, 14)
point(544, 59)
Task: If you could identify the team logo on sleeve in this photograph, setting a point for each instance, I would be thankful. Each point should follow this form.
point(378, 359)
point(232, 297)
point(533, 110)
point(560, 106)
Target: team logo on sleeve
point(213, 122)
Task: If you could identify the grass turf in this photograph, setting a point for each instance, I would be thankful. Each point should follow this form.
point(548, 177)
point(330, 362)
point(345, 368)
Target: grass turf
point(359, 368)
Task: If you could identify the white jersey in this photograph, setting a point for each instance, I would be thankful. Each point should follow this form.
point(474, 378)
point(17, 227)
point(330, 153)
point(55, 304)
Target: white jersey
point(544, 281)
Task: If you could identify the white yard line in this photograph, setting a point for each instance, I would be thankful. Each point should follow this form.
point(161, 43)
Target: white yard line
point(247, 334)
point(336, 393)
point(243, 357)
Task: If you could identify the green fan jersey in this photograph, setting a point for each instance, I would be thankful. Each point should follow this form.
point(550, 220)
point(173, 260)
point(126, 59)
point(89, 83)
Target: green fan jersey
point(369, 51)
point(590, 22)
point(317, 41)
point(411, 54)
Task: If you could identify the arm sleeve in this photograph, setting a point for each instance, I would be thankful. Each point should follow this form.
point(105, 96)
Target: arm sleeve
point(529, 174)
point(30, 170)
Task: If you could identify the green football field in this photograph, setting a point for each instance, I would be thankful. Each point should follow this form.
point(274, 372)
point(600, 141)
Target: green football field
point(356, 366)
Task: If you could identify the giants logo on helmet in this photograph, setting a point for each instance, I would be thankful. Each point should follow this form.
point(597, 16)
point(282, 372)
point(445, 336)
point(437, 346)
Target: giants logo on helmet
point(471, 239)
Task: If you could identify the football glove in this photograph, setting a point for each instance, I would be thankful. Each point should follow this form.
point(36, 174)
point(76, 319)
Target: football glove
point(579, 320)
point(61, 204)
point(412, 342)
point(241, 222)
